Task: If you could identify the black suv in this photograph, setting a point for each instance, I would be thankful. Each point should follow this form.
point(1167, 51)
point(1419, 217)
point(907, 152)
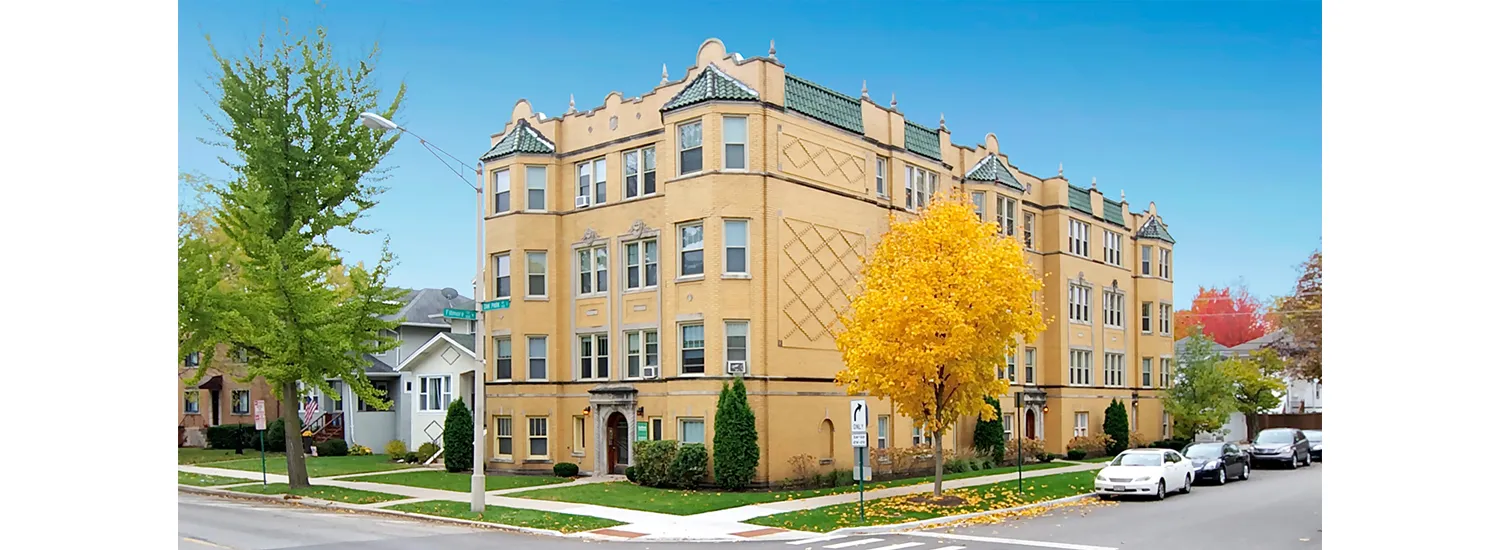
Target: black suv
point(1287, 446)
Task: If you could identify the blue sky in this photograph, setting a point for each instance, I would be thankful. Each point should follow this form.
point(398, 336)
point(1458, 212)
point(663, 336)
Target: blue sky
point(1210, 109)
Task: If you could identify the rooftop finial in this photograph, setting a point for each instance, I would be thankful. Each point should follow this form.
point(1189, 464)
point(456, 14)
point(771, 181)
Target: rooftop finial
point(571, 109)
point(1094, 184)
point(942, 122)
point(1122, 195)
point(893, 100)
point(663, 73)
point(773, 48)
point(1059, 169)
point(864, 89)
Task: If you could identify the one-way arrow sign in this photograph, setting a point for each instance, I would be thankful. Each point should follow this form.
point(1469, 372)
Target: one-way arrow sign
point(859, 415)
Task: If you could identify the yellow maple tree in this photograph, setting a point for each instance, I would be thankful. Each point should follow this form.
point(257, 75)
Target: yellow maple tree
point(945, 297)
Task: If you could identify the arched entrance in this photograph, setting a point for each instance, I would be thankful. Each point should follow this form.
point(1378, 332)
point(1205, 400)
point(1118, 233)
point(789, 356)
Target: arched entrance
point(1030, 424)
point(617, 443)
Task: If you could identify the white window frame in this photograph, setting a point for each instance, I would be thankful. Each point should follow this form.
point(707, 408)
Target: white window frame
point(435, 392)
point(919, 436)
point(1114, 369)
point(682, 349)
point(1164, 264)
point(192, 402)
point(1010, 367)
point(593, 182)
point(1165, 363)
point(1080, 424)
point(1166, 318)
point(1030, 366)
point(1113, 253)
point(642, 168)
point(744, 143)
point(1146, 372)
point(530, 274)
point(977, 197)
point(1029, 219)
point(504, 353)
point(729, 328)
point(532, 422)
point(683, 249)
point(882, 431)
point(580, 435)
point(1146, 312)
point(1005, 214)
point(644, 352)
point(1080, 367)
point(502, 275)
point(646, 264)
point(536, 350)
point(504, 431)
point(1146, 251)
point(729, 247)
point(593, 353)
point(234, 402)
point(536, 184)
point(500, 190)
point(882, 176)
point(1007, 424)
point(593, 271)
point(1078, 237)
point(1079, 296)
point(683, 421)
point(921, 191)
point(683, 149)
point(1114, 309)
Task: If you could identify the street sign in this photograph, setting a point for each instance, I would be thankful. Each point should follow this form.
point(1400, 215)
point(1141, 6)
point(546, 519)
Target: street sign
point(461, 314)
point(495, 304)
point(864, 472)
point(859, 415)
point(861, 439)
point(640, 430)
point(260, 414)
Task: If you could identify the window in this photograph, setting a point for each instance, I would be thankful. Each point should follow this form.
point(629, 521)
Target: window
point(536, 274)
point(1078, 303)
point(1166, 372)
point(1166, 424)
point(640, 264)
point(503, 442)
point(656, 429)
point(1165, 266)
point(1166, 319)
point(536, 357)
point(1114, 369)
point(690, 147)
point(580, 435)
point(1078, 238)
point(920, 436)
point(1010, 367)
point(436, 392)
point(978, 198)
point(536, 432)
point(882, 431)
point(591, 184)
point(500, 184)
point(736, 247)
point(640, 349)
point(737, 342)
point(593, 357)
point(1005, 213)
point(1145, 261)
point(1080, 424)
point(1113, 254)
point(593, 270)
point(1114, 309)
point(1145, 372)
point(690, 430)
point(1146, 317)
point(920, 184)
point(640, 172)
point(882, 171)
point(337, 395)
point(502, 275)
point(382, 389)
point(1030, 365)
point(536, 188)
point(1081, 367)
point(692, 349)
point(190, 402)
point(736, 135)
point(690, 246)
point(502, 358)
point(1030, 230)
point(239, 402)
point(194, 358)
point(1007, 422)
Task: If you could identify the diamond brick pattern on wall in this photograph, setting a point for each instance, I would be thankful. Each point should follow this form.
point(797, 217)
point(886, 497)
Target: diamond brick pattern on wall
point(820, 272)
point(821, 163)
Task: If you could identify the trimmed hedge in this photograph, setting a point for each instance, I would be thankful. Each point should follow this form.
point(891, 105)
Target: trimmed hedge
point(989, 435)
point(233, 436)
point(1117, 425)
point(426, 450)
point(333, 447)
point(736, 447)
point(276, 436)
point(458, 438)
point(653, 459)
point(689, 466)
point(565, 469)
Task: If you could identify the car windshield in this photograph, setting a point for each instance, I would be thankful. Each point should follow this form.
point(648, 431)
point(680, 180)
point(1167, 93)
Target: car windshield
point(1272, 437)
point(1315, 436)
point(1137, 459)
point(1204, 450)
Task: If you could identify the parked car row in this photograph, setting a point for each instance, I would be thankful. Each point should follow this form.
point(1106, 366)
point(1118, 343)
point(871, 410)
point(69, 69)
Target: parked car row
point(1157, 472)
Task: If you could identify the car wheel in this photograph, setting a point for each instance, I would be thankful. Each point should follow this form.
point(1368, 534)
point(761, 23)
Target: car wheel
point(1187, 484)
point(1294, 461)
point(1223, 478)
point(1245, 474)
point(1161, 489)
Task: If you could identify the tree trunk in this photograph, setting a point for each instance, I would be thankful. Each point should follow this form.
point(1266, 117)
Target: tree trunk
point(1250, 426)
point(296, 465)
point(937, 454)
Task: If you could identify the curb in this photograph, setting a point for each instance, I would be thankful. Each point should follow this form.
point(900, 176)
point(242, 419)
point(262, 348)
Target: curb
point(875, 529)
point(330, 505)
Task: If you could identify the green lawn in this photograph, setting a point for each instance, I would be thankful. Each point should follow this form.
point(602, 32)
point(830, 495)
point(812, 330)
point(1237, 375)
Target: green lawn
point(566, 523)
point(336, 494)
point(193, 455)
point(1097, 460)
point(201, 480)
point(448, 481)
point(622, 494)
point(318, 466)
point(906, 508)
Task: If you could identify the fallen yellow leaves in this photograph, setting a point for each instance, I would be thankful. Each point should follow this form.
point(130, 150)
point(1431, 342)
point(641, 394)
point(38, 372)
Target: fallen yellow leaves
point(1035, 511)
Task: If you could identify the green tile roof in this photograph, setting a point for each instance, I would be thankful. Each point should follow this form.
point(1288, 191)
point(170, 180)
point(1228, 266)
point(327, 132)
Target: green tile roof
point(1078, 199)
point(711, 84)
point(1113, 213)
point(990, 168)
point(1153, 229)
point(810, 99)
point(923, 141)
point(523, 139)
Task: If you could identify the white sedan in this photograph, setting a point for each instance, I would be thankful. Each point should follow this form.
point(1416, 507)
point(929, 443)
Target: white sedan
point(1153, 472)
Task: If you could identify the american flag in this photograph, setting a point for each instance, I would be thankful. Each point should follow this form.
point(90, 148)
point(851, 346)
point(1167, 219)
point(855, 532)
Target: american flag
point(309, 410)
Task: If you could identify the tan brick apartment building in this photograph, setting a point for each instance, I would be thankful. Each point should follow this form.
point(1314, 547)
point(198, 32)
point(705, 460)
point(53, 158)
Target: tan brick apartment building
point(654, 246)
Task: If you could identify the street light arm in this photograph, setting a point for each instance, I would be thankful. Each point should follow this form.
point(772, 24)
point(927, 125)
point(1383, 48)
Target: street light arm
point(381, 124)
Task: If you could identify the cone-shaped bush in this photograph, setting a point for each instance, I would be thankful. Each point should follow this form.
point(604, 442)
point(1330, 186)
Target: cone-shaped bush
point(458, 438)
point(1117, 425)
point(736, 444)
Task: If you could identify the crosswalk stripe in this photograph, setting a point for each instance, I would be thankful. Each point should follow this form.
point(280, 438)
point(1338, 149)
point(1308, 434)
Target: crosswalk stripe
point(899, 546)
point(853, 543)
point(1038, 543)
point(950, 548)
point(817, 539)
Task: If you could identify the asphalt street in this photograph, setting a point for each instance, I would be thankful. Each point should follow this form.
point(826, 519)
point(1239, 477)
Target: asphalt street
point(1275, 509)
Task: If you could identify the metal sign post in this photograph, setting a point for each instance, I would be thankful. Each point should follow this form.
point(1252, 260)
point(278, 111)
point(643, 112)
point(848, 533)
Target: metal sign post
point(1016, 425)
point(260, 427)
point(859, 420)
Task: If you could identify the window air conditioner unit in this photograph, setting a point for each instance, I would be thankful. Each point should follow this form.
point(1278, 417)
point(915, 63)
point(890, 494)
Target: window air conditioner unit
point(651, 372)
point(580, 202)
point(734, 367)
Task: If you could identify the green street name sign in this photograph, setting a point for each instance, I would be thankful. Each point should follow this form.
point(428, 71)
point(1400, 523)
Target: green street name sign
point(495, 304)
point(461, 314)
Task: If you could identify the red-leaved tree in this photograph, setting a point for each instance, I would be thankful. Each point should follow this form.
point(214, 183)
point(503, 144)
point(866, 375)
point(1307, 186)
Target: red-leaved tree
point(1230, 316)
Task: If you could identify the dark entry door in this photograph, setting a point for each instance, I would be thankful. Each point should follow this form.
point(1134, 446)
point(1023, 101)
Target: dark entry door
point(213, 404)
point(618, 443)
point(1030, 424)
